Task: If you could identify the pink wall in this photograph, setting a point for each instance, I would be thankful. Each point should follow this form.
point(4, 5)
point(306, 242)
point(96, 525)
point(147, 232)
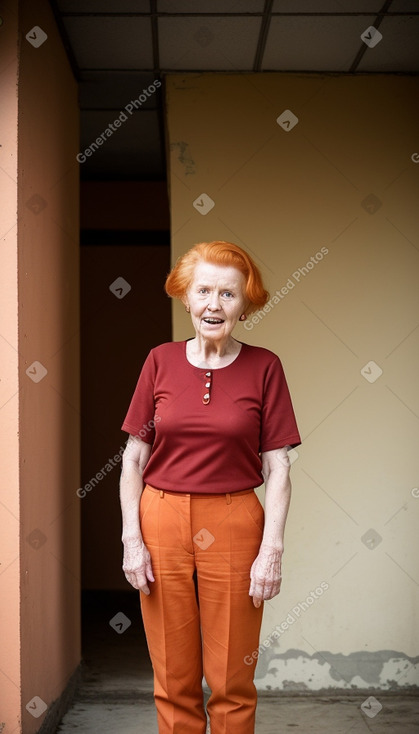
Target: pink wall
point(10, 669)
point(42, 419)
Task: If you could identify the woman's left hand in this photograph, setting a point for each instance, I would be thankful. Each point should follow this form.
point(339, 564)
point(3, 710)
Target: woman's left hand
point(265, 574)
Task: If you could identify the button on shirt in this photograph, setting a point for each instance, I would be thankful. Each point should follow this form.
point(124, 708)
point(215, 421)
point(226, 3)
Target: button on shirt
point(207, 427)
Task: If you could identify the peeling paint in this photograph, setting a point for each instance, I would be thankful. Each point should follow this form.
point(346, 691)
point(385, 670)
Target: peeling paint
point(184, 156)
point(296, 670)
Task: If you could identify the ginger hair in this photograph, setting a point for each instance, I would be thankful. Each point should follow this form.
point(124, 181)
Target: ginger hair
point(218, 253)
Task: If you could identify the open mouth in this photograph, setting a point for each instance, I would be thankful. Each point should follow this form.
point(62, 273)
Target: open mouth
point(210, 320)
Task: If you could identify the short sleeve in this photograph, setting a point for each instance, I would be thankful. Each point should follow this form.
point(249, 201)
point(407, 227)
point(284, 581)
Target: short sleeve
point(278, 422)
point(139, 421)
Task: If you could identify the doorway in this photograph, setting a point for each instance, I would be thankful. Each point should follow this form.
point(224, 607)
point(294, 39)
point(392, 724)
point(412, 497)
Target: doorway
point(124, 313)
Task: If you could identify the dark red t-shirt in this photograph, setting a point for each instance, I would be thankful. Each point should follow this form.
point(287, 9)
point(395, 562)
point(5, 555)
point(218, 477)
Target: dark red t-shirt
point(213, 447)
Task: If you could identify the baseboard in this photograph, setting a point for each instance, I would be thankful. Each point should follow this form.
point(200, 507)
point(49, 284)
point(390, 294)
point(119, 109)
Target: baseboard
point(61, 705)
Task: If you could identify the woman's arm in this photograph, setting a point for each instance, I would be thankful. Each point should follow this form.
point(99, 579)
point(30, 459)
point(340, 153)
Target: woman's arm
point(137, 563)
point(276, 474)
point(265, 573)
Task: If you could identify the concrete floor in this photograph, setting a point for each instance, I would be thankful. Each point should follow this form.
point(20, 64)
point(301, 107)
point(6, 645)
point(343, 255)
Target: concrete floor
point(116, 694)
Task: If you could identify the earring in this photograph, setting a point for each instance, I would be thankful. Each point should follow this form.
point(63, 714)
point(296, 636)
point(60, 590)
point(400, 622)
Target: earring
point(242, 317)
point(187, 309)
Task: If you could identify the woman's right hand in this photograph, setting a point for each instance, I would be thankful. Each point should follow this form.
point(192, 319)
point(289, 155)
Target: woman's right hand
point(137, 565)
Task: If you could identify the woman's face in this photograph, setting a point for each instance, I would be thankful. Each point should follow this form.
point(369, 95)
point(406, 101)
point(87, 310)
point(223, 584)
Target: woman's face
point(216, 299)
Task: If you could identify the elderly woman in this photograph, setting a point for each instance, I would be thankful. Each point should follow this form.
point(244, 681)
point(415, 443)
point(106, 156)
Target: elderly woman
point(210, 419)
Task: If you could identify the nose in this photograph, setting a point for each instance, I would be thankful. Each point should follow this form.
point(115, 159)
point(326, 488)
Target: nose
point(213, 303)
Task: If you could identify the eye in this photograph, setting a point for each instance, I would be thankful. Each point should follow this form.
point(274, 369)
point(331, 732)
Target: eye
point(228, 294)
point(203, 290)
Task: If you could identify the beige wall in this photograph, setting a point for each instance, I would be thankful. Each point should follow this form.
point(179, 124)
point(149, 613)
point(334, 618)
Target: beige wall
point(283, 196)
point(40, 417)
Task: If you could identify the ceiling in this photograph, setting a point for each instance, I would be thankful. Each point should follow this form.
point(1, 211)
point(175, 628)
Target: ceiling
point(119, 47)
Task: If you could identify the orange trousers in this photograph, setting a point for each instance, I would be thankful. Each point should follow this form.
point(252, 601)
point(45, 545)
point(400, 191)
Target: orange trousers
point(208, 627)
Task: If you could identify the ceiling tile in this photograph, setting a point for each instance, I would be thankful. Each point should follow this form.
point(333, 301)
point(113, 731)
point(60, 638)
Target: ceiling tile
point(404, 6)
point(204, 39)
point(106, 43)
point(114, 90)
point(210, 6)
point(326, 43)
point(327, 6)
point(399, 48)
point(134, 150)
point(219, 43)
point(104, 6)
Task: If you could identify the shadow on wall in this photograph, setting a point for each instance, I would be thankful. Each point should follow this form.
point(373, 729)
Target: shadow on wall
point(124, 313)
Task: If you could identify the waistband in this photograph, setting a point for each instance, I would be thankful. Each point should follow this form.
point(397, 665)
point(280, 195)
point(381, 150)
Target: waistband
point(199, 495)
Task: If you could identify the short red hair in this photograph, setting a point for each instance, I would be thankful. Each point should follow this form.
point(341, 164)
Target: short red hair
point(218, 253)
